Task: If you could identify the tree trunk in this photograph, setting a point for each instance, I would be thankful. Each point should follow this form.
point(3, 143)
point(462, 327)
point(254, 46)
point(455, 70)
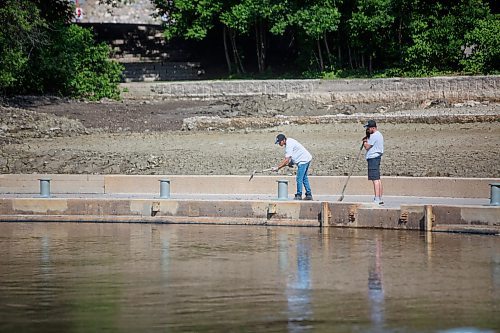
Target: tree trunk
point(339, 50)
point(350, 57)
point(237, 58)
point(362, 60)
point(400, 39)
point(260, 46)
point(226, 50)
point(327, 48)
point(264, 46)
point(257, 44)
point(370, 59)
point(321, 63)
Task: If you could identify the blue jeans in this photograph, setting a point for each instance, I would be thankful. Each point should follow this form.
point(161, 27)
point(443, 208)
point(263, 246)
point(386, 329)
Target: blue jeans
point(302, 179)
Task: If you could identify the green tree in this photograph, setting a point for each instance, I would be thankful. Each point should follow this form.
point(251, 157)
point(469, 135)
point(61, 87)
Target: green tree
point(403, 11)
point(193, 19)
point(41, 52)
point(22, 32)
point(317, 19)
point(484, 45)
point(258, 17)
point(438, 32)
point(369, 27)
point(74, 65)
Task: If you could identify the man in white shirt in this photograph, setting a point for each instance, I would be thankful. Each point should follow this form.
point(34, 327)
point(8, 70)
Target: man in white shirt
point(295, 153)
point(373, 142)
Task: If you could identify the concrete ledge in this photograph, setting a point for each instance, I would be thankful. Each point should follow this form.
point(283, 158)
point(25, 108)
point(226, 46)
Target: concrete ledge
point(60, 183)
point(456, 88)
point(480, 219)
point(213, 200)
point(158, 220)
point(232, 185)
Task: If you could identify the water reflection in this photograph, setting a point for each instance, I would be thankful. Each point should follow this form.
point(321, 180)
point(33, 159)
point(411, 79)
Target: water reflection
point(45, 255)
point(375, 288)
point(195, 278)
point(298, 289)
point(495, 272)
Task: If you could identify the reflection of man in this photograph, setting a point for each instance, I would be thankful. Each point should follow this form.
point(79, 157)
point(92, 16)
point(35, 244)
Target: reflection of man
point(298, 290)
point(295, 153)
point(375, 290)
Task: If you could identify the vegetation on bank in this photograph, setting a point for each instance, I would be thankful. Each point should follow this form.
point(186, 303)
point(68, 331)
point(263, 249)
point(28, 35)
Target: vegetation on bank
point(339, 38)
point(41, 52)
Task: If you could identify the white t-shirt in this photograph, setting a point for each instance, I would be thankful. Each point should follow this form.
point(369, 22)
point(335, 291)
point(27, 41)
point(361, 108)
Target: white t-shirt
point(376, 140)
point(297, 152)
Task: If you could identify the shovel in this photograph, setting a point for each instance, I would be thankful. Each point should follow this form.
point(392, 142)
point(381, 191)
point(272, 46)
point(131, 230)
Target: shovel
point(257, 171)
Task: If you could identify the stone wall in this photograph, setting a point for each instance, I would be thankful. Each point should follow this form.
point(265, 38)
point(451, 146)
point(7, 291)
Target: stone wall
point(449, 89)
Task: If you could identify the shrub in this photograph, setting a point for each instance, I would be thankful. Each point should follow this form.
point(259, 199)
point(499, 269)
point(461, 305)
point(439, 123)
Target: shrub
point(79, 67)
point(41, 53)
point(484, 43)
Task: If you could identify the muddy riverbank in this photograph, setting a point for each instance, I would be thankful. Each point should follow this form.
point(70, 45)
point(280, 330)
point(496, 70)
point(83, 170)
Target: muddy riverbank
point(236, 136)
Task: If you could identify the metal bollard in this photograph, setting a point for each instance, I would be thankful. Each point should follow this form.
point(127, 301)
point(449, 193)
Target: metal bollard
point(282, 189)
point(44, 187)
point(164, 188)
point(495, 194)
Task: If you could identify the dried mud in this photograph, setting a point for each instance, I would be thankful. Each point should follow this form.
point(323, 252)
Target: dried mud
point(234, 137)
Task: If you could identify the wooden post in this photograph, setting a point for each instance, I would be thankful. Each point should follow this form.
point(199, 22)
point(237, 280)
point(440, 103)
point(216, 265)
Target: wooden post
point(429, 218)
point(325, 214)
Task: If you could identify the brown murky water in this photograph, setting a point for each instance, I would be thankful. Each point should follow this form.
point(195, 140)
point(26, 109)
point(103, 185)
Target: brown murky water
point(194, 278)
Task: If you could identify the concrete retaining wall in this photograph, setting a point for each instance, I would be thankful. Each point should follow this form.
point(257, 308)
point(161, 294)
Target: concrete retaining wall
point(321, 185)
point(390, 90)
point(478, 219)
point(99, 199)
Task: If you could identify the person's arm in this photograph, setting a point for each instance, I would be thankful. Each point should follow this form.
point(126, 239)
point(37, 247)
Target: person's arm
point(366, 145)
point(283, 163)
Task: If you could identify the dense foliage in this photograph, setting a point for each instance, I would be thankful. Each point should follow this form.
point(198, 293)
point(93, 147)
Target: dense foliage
point(41, 53)
point(395, 37)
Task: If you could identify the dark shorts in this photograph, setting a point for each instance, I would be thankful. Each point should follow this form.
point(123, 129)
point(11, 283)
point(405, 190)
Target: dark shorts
point(374, 168)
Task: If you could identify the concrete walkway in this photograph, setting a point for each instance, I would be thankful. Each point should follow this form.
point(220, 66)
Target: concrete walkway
point(389, 201)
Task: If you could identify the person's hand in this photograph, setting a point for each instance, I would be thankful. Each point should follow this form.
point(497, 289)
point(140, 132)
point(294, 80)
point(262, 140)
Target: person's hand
point(365, 139)
point(274, 169)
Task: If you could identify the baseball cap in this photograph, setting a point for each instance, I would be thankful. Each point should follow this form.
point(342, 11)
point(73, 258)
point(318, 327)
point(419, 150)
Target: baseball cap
point(370, 123)
point(280, 138)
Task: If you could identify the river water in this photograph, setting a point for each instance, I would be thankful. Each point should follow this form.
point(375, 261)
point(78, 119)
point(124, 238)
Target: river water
point(69, 277)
